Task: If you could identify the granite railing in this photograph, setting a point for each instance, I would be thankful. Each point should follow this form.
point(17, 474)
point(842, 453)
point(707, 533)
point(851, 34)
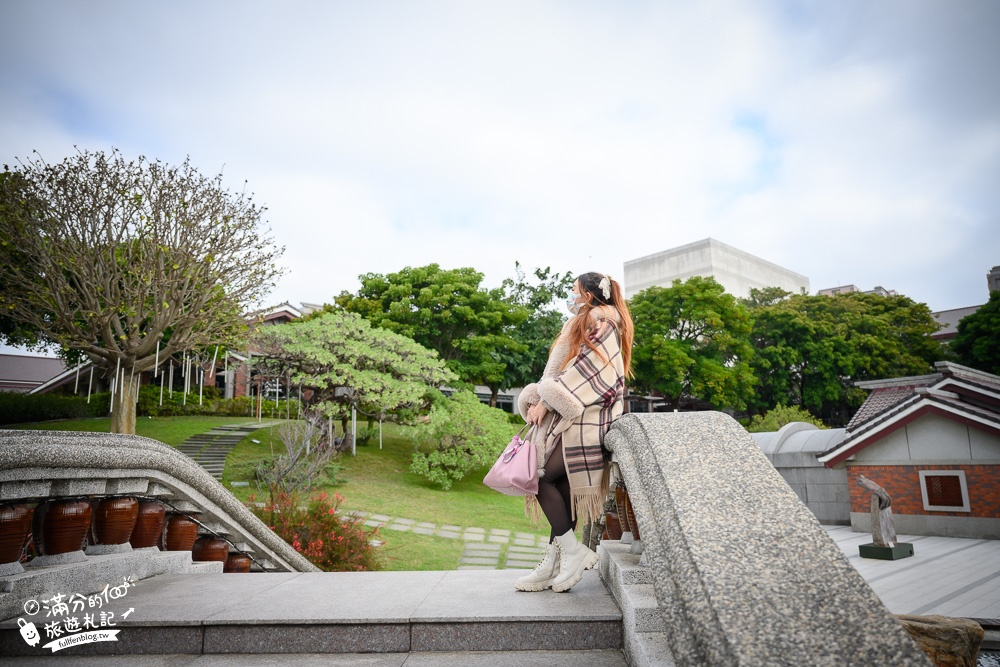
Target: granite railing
point(40, 466)
point(742, 571)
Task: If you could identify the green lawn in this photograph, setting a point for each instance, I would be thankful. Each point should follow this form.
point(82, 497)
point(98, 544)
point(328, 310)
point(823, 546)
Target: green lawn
point(171, 430)
point(379, 481)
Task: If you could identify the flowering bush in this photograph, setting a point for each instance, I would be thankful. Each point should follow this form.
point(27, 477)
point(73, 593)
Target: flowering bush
point(331, 541)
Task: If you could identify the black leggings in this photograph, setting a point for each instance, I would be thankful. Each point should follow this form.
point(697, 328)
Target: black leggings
point(554, 496)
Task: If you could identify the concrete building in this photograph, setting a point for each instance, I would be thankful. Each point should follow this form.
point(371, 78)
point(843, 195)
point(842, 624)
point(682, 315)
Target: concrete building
point(851, 289)
point(735, 270)
point(993, 279)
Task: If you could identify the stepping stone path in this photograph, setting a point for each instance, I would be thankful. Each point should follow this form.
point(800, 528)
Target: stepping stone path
point(484, 550)
point(210, 449)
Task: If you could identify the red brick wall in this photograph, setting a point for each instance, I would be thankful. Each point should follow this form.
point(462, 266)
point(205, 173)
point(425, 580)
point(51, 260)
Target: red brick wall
point(903, 485)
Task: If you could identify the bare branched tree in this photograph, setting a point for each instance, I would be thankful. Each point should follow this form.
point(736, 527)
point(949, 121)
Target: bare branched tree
point(305, 462)
point(126, 261)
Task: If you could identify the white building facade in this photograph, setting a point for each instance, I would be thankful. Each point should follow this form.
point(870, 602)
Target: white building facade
point(735, 270)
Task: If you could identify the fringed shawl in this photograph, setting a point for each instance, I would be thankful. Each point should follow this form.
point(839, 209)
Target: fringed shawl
point(585, 398)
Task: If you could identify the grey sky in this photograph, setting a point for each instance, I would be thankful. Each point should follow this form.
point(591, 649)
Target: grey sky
point(850, 141)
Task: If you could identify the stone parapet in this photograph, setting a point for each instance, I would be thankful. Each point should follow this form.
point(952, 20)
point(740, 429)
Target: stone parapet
point(39, 465)
point(742, 571)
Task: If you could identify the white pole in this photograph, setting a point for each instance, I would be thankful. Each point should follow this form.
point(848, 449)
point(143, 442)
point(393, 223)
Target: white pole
point(163, 376)
point(354, 432)
point(330, 429)
point(156, 366)
point(90, 384)
point(201, 383)
point(111, 408)
point(122, 385)
point(380, 431)
point(171, 378)
point(76, 387)
point(131, 385)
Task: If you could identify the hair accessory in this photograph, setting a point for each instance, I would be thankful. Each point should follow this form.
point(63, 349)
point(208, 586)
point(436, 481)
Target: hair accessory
point(605, 286)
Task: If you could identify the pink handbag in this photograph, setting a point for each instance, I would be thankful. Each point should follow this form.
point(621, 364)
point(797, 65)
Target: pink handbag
point(516, 471)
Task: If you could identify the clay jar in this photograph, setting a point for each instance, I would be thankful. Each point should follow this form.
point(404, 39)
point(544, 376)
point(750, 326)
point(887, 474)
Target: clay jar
point(612, 526)
point(622, 511)
point(210, 548)
point(237, 562)
point(148, 525)
point(15, 526)
point(62, 525)
point(114, 520)
point(182, 532)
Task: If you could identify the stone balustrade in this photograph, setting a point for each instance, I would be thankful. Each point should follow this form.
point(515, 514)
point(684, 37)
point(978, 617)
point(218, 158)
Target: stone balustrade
point(43, 467)
point(742, 572)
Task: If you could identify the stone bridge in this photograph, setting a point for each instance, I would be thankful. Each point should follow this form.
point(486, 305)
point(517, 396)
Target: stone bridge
point(736, 571)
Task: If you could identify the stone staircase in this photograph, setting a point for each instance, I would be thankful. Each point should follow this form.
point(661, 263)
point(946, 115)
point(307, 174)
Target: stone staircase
point(210, 449)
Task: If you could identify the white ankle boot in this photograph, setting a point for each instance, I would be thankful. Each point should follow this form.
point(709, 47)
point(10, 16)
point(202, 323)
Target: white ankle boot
point(544, 573)
point(574, 558)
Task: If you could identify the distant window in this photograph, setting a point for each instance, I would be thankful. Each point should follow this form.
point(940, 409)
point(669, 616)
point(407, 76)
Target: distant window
point(944, 491)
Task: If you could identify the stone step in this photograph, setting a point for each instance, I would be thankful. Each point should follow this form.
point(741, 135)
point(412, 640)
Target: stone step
point(595, 658)
point(351, 612)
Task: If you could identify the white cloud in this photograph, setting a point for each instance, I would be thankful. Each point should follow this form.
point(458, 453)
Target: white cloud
point(849, 142)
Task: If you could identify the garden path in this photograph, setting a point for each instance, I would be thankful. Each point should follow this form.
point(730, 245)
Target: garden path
point(484, 549)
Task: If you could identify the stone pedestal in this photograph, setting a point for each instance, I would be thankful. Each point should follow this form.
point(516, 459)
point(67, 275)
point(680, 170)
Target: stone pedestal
point(871, 550)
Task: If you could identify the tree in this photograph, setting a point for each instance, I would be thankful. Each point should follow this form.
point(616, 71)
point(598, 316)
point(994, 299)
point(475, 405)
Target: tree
point(977, 343)
point(779, 416)
point(766, 296)
point(544, 322)
point(692, 340)
point(346, 362)
point(124, 262)
point(461, 435)
point(811, 350)
point(443, 310)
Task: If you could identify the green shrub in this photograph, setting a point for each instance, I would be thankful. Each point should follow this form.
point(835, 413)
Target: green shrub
point(20, 408)
point(331, 541)
point(211, 404)
point(780, 415)
point(461, 435)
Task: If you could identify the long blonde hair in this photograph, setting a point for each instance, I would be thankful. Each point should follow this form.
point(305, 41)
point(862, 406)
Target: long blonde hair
point(577, 331)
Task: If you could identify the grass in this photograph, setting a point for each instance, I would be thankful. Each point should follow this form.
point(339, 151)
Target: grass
point(379, 481)
point(409, 551)
point(170, 430)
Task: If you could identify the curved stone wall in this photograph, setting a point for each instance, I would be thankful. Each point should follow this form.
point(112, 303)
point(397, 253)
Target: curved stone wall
point(743, 572)
point(40, 464)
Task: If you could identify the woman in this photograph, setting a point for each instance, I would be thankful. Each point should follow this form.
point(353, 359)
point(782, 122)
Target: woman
point(572, 407)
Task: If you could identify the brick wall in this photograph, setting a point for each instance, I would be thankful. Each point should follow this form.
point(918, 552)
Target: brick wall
point(903, 485)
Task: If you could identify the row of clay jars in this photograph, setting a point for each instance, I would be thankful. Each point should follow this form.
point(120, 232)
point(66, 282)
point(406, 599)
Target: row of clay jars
point(61, 526)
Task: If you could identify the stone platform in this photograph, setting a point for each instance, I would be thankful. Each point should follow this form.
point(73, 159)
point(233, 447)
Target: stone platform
point(379, 612)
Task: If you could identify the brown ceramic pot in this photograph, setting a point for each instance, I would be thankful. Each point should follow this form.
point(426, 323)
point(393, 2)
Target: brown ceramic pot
point(210, 548)
point(612, 526)
point(62, 525)
point(632, 523)
point(148, 525)
point(237, 562)
point(182, 532)
point(114, 520)
point(15, 526)
point(620, 506)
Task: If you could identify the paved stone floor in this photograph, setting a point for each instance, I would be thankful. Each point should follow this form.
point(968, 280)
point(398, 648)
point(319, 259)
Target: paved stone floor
point(946, 575)
point(484, 549)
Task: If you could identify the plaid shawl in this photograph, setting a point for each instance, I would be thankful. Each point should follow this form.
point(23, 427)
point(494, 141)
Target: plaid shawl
point(586, 398)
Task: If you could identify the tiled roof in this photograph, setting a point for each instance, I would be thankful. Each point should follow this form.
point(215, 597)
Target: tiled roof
point(29, 369)
point(879, 401)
